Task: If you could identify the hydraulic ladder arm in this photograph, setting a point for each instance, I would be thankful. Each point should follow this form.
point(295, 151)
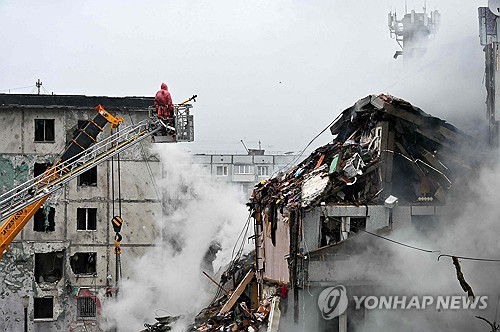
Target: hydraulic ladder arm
point(83, 152)
point(28, 206)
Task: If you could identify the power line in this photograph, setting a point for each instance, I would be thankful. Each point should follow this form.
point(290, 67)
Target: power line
point(12, 89)
point(433, 251)
point(401, 243)
point(291, 162)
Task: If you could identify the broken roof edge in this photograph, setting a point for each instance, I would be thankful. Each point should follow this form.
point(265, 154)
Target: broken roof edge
point(393, 106)
point(78, 101)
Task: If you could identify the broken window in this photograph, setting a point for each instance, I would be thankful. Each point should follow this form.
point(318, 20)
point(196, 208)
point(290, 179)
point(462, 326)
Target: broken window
point(48, 266)
point(357, 224)
point(88, 178)
point(43, 307)
point(83, 263)
point(44, 130)
point(86, 307)
point(330, 230)
point(263, 170)
point(86, 219)
point(43, 220)
point(243, 169)
point(39, 168)
point(221, 170)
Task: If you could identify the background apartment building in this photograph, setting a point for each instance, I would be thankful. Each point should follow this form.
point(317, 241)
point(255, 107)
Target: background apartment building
point(242, 171)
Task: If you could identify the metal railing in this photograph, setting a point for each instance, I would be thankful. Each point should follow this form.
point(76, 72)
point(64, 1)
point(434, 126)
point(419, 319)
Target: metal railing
point(60, 173)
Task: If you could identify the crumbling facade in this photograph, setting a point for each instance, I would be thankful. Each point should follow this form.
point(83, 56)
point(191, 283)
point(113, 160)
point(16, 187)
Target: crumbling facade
point(62, 265)
point(389, 164)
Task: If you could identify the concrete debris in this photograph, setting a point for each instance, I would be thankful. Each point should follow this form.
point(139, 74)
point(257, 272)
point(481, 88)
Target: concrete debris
point(376, 140)
point(236, 311)
point(162, 324)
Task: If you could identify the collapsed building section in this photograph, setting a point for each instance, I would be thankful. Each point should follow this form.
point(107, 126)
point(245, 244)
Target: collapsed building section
point(389, 164)
point(236, 305)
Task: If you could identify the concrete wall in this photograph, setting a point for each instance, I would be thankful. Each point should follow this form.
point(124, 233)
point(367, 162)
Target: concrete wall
point(141, 209)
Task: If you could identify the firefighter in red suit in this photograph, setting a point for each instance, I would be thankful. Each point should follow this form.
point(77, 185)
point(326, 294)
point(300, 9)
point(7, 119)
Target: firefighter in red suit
point(163, 103)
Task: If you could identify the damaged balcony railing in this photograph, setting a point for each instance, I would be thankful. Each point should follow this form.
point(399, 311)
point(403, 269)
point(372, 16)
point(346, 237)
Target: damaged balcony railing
point(55, 177)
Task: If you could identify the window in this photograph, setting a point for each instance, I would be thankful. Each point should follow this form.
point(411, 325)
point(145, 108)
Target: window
point(243, 169)
point(221, 171)
point(86, 219)
point(48, 266)
point(88, 178)
point(44, 130)
point(86, 307)
point(43, 307)
point(263, 170)
point(83, 263)
point(44, 219)
point(356, 225)
point(39, 168)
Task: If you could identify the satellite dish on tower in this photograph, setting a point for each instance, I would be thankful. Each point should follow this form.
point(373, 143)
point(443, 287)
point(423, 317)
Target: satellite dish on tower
point(494, 6)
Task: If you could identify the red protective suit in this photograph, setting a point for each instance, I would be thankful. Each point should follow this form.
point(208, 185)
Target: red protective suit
point(163, 103)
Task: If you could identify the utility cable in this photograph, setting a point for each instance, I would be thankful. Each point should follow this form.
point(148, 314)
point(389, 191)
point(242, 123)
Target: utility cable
point(150, 171)
point(235, 258)
point(426, 250)
point(431, 251)
point(426, 164)
point(470, 258)
point(119, 186)
point(308, 144)
point(23, 87)
point(400, 243)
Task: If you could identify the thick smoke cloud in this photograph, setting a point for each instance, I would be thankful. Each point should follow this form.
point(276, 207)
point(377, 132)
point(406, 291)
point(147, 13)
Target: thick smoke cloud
point(470, 229)
point(168, 278)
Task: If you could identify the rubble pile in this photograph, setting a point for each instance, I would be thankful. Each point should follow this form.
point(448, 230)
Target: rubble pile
point(351, 169)
point(240, 318)
point(162, 324)
point(232, 311)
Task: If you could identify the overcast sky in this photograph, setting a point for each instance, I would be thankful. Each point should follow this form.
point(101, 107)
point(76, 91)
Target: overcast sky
point(275, 71)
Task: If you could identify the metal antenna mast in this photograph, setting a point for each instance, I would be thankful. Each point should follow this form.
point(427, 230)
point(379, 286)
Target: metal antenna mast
point(38, 85)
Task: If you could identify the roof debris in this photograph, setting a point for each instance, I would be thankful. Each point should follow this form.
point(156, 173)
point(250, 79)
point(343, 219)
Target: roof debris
point(376, 139)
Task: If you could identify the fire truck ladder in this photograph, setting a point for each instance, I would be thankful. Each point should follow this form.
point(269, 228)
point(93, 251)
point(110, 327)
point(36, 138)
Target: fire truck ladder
point(19, 204)
point(58, 175)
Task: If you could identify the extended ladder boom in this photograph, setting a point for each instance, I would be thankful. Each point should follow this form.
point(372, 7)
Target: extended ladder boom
point(19, 204)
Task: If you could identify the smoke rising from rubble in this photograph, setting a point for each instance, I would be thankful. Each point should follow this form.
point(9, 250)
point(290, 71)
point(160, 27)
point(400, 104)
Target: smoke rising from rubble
point(446, 82)
point(168, 279)
point(470, 229)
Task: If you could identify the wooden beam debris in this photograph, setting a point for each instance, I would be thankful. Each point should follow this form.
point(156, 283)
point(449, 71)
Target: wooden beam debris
point(237, 293)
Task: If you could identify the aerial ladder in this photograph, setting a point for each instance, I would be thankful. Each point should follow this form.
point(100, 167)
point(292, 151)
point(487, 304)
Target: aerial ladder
point(18, 205)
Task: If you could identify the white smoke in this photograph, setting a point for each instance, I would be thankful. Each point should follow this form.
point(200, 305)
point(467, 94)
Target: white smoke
point(168, 279)
point(471, 230)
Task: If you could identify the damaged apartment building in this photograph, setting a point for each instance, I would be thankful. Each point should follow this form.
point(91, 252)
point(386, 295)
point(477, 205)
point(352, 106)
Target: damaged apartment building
point(61, 267)
point(390, 164)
